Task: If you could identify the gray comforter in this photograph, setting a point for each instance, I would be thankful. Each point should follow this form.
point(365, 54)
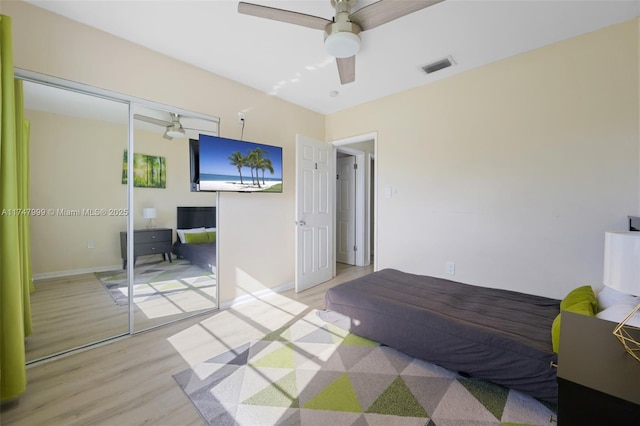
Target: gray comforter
point(497, 335)
point(202, 255)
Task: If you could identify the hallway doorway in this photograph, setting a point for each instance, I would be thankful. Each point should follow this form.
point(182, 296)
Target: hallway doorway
point(355, 238)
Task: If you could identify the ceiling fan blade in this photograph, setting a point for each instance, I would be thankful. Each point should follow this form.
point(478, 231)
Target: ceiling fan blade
point(282, 15)
point(347, 69)
point(152, 120)
point(384, 11)
point(166, 136)
point(197, 130)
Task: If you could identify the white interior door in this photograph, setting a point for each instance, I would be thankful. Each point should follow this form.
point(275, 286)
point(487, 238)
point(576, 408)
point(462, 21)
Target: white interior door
point(314, 211)
point(345, 210)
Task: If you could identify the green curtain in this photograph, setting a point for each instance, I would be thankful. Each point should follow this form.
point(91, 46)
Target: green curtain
point(15, 257)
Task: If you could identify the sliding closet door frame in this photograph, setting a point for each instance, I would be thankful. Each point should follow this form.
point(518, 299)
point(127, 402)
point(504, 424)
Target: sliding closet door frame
point(130, 242)
point(62, 84)
point(35, 77)
point(134, 110)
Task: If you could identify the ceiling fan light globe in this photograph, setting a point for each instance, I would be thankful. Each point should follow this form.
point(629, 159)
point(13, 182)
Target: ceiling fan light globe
point(342, 44)
point(175, 133)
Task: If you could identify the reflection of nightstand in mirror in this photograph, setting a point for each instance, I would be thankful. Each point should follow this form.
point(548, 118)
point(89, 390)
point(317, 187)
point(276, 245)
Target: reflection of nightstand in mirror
point(147, 242)
point(598, 382)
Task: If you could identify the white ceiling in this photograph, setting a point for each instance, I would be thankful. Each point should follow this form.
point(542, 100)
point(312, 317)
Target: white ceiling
point(289, 61)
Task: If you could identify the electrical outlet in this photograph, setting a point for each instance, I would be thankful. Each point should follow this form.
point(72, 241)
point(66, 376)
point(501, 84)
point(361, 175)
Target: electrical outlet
point(241, 118)
point(451, 268)
point(91, 244)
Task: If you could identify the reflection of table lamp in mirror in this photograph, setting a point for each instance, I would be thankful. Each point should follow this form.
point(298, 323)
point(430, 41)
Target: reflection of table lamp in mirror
point(149, 214)
point(622, 273)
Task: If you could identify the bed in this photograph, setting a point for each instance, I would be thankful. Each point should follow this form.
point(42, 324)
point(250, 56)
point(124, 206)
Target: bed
point(195, 220)
point(497, 335)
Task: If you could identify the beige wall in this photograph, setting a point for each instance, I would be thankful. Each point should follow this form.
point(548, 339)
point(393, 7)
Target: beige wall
point(75, 165)
point(513, 171)
point(256, 230)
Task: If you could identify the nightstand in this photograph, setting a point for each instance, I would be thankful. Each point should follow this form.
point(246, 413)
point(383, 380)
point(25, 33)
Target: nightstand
point(147, 242)
point(598, 382)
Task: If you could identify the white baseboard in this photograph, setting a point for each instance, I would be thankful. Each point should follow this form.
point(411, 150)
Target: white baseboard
point(57, 274)
point(253, 296)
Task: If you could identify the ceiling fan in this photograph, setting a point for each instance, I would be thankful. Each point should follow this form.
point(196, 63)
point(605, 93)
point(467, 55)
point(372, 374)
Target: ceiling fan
point(173, 128)
point(341, 33)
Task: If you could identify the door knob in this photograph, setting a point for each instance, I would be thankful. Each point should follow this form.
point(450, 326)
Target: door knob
point(301, 223)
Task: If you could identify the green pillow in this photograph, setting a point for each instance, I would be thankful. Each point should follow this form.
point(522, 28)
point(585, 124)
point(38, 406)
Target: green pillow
point(555, 333)
point(580, 294)
point(196, 238)
point(211, 236)
point(585, 308)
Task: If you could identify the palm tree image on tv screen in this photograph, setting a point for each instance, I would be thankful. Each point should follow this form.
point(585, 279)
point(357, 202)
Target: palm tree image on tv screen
point(239, 166)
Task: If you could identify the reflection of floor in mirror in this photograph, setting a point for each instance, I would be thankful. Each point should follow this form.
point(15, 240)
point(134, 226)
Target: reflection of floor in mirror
point(182, 300)
point(169, 300)
point(72, 311)
point(76, 310)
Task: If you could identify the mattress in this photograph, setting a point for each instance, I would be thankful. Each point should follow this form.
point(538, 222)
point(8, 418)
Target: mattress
point(497, 335)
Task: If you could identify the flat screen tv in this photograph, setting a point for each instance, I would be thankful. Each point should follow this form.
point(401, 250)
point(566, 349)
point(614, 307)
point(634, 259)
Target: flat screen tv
point(222, 164)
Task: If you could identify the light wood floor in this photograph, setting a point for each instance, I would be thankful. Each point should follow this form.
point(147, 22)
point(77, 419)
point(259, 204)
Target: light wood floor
point(129, 381)
point(73, 311)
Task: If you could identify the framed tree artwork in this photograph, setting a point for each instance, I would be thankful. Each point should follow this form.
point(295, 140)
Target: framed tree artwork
point(149, 171)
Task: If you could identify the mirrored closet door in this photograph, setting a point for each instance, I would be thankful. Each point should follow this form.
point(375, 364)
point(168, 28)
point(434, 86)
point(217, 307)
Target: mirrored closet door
point(76, 146)
point(174, 276)
point(108, 219)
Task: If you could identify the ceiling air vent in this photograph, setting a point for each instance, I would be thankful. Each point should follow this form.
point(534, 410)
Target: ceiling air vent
point(438, 65)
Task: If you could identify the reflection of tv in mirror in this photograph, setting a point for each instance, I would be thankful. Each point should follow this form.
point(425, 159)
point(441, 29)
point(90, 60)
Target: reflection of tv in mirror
point(221, 164)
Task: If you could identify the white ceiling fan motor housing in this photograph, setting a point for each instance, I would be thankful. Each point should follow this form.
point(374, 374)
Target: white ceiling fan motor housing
point(172, 132)
point(341, 43)
point(341, 38)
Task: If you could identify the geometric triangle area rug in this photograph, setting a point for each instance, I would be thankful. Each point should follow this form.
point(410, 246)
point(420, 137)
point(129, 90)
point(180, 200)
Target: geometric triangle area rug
point(313, 373)
point(158, 279)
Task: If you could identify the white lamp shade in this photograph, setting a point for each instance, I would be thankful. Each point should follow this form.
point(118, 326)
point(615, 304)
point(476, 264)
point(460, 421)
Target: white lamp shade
point(149, 213)
point(622, 261)
point(342, 44)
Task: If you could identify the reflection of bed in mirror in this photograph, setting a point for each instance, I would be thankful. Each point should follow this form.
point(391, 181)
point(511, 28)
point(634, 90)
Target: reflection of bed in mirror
point(195, 241)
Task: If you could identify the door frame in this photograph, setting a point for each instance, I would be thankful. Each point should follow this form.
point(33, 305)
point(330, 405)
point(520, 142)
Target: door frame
point(362, 254)
point(363, 220)
point(349, 255)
